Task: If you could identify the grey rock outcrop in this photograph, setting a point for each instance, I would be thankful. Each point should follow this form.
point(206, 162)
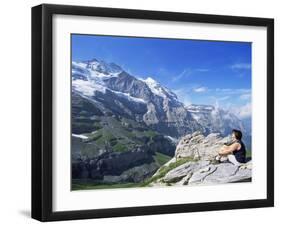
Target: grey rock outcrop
point(197, 146)
point(199, 167)
point(204, 172)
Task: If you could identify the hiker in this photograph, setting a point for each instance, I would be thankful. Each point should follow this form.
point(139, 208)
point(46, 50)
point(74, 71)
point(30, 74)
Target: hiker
point(234, 152)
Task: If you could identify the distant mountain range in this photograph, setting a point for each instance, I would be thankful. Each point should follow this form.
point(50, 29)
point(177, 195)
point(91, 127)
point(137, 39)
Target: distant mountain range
point(145, 100)
point(114, 111)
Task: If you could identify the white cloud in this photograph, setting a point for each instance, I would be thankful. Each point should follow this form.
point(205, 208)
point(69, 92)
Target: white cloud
point(183, 96)
point(185, 73)
point(216, 101)
point(243, 111)
point(201, 89)
point(245, 96)
point(241, 66)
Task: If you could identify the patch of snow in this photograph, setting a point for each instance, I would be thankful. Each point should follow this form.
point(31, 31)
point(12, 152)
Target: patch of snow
point(193, 111)
point(94, 71)
point(170, 93)
point(174, 140)
point(128, 96)
point(87, 88)
point(99, 75)
point(154, 87)
point(196, 117)
point(199, 108)
point(79, 69)
point(80, 136)
point(79, 64)
point(103, 67)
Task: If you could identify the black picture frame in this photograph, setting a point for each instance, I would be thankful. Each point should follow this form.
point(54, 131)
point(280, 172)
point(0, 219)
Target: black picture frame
point(42, 111)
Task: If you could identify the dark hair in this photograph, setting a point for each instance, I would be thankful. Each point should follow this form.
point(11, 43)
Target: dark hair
point(237, 134)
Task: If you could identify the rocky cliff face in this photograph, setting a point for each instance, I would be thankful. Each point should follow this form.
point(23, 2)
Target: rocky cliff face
point(193, 164)
point(108, 146)
point(114, 166)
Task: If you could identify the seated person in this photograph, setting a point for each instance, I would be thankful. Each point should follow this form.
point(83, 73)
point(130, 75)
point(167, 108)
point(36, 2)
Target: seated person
point(234, 152)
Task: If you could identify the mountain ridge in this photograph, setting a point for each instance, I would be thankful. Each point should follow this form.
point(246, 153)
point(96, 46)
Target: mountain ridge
point(164, 111)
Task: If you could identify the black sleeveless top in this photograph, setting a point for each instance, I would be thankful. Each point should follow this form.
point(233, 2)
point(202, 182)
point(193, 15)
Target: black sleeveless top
point(240, 154)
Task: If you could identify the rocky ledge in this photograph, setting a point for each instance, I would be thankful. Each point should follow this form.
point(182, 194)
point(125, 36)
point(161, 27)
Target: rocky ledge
point(194, 164)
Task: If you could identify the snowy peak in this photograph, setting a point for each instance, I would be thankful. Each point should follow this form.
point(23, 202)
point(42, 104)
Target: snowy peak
point(154, 86)
point(157, 89)
point(90, 78)
point(150, 81)
point(103, 67)
point(100, 73)
point(94, 71)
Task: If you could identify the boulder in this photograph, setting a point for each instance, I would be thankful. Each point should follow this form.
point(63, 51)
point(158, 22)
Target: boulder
point(197, 146)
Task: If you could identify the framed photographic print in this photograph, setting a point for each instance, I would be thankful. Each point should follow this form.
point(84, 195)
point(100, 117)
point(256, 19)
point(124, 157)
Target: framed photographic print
point(145, 112)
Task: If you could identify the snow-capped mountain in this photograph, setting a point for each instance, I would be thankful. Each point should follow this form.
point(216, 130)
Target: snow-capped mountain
point(159, 90)
point(214, 119)
point(116, 92)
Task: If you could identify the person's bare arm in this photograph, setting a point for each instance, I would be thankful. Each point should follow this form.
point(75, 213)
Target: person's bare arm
point(229, 149)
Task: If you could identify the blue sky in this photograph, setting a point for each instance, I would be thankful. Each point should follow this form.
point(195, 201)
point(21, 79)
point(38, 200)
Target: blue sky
point(199, 72)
